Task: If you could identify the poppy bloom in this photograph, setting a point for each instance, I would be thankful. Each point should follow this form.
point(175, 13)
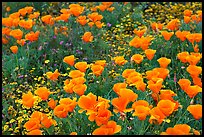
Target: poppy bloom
point(48, 19)
point(140, 103)
point(35, 132)
point(139, 33)
point(4, 40)
point(73, 133)
point(45, 121)
point(187, 19)
point(82, 20)
point(61, 111)
point(163, 72)
point(78, 80)
point(120, 104)
point(6, 31)
point(141, 112)
point(155, 84)
point(87, 37)
point(179, 129)
point(43, 93)
point(182, 34)
point(101, 62)
point(69, 60)
point(195, 110)
point(164, 62)
point(173, 24)
point(182, 56)
point(97, 69)
point(150, 74)
point(184, 84)
point(197, 81)
point(76, 9)
point(82, 66)
point(69, 103)
point(69, 87)
point(150, 53)
point(118, 86)
point(167, 35)
point(133, 80)
point(101, 116)
point(193, 60)
point(167, 95)
point(91, 24)
point(128, 94)
point(87, 102)
point(28, 99)
point(32, 124)
point(140, 85)
point(80, 89)
point(120, 60)
point(137, 58)
point(127, 72)
point(32, 36)
point(21, 42)
point(53, 76)
point(109, 129)
point(157, 26)
point(156, 116)
point(99, 24)
point(76, 74)
point(16, 33)
point(166, 107)
point(52, 103)
point(135, 42)
point(194, 70)
point(192, 91)
point(187, 12)
point(14, 49)
point(22, 11)
point(95, 17)
point(28, 24)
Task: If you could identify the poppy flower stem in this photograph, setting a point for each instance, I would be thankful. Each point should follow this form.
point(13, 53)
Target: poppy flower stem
point(181, 117)
point(17, 61)
point(141, 129)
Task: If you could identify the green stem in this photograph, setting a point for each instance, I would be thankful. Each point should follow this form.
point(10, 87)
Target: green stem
point(141, 129)
point(181, 117)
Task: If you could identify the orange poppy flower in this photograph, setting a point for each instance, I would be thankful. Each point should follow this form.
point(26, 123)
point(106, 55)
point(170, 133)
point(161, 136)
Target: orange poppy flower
point(128, 94)
point(14, 49)
point(48, 19)
point(194, 70)
point(196, 48)
point(52, 103)
point(141, 112)
point(17, 34)
point(8, 22)
point(53, 76)
point(32, 124)
point(195, 110)
point(135, 42)
point(137, 58)
point(157, 116)
point(150, 74)
point(182, 56)
point(140, 85)
point(69, 87)
point(45, 121)
point(87, 102)
point(61, 111)
point(82, 20)
point(6, 31)
point(118, 86)
point(32, 36)
point(82, 66)
point(150, 53)
point(163, 72)
point(173, 24)
point(198, 37)
point(43, 93)
point(69, 60)
point(182, 34)
point(22, 11)
point(76, 74)
point(127, 72)
point(91, 24)
point(35, 132)
point(21, 42)
point(187, 12)
point(95, 17)
point(167, 35)
point(70, 104)
point(139, 33)
point(111, 9)
point(99, 24)
point(187, 19)
point(120, 104)
point(4, 40)
point(78, 80)
point(156, 26)
point(197, 81)
point(29, 9)
point(73, 133)
point(101, 117)
point(109, 129)
point(164, 62)
point(145, 42)
point(28, 99)
point(26, 24)
point(166, 107)
point(193, 60)
point(36, 115)
point(192, 91)
point(167, 95)
point(140, 103)
point(155, 84)
point(80, 89)
point(184, 84)
point(101, 62)
point(76, 9)
point(133, 80)
point(120, 60)
point(179, 129)
point(87, 37)
point(97, 69)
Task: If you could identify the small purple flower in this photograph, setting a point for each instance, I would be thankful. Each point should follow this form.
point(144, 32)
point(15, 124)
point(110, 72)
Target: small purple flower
point(67, 44)
point(182, 67)
point(2, 89)
point(86, 59)
point(21, 76)
point(54, 37)
point(108, 24)
point(175, 78)
point(29, 42)
point(55, 65)
point(61, 42)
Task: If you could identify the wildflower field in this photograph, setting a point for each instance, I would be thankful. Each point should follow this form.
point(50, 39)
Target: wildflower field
point(102, 68)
